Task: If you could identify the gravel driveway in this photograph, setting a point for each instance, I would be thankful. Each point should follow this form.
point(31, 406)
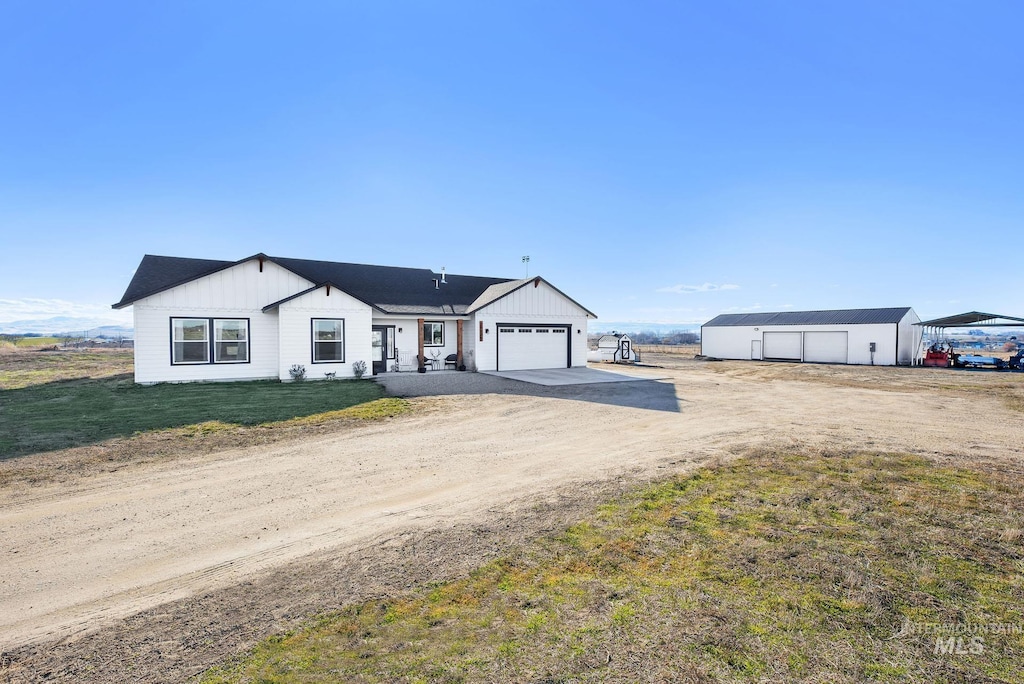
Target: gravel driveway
point(156, 571)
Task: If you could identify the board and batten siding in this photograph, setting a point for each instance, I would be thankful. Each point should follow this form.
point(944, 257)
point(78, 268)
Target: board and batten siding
point(240, 291)
point(296, 332)
point(529, 304)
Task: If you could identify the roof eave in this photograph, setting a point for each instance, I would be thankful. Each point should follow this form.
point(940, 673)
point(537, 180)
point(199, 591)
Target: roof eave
point(314, 288)
point(536, 281)
point(125, 303)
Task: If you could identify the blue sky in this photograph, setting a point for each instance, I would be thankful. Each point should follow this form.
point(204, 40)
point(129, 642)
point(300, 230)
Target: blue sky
point(658, 161)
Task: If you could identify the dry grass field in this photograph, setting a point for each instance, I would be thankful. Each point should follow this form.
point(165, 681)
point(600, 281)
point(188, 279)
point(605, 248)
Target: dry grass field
point(730, 521)
point(687, 350)
point(792, 567)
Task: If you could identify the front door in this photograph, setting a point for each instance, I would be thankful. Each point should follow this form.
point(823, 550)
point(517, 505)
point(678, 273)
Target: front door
point(378, 337)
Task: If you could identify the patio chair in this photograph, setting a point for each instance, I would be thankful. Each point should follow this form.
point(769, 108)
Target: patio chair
point(406, 361)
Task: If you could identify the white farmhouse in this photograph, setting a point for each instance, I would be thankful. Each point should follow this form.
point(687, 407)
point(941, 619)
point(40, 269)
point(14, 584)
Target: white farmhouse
point(880, 337)
point(199, 319)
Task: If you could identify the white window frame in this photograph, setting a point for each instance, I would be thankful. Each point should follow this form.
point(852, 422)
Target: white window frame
point(241, 342)
point(314, 341)
point(428, 340)
point(204, 343)
point(209, 341)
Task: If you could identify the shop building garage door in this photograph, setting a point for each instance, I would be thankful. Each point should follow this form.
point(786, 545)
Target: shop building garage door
point(782, 345)
point(826, 347)
point(525, 347)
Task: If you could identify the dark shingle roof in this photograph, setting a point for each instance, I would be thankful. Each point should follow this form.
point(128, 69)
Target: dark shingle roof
point(391, 289)
point(159, 273)
point(835, 317)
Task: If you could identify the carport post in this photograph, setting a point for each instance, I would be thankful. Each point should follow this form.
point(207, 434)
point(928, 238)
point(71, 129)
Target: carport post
point(419, 355)
point(458, 348)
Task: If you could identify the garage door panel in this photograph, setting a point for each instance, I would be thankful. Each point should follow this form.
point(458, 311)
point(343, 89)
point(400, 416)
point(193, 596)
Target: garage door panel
point(826, 347)
point(782, 345)
point(524, 347)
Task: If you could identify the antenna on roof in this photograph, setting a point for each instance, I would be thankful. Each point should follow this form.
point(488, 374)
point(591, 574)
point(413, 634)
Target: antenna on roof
point(526, 260)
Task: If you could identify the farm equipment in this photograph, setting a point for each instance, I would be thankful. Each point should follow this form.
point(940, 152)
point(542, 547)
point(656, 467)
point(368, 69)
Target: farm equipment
point(975, 361)
point(939, 355)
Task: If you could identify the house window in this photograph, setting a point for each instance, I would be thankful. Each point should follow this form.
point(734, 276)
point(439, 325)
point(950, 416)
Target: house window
point(230, 340)
point(328, 340)
point(190, 340)
point(192, 343)
point(433, 334)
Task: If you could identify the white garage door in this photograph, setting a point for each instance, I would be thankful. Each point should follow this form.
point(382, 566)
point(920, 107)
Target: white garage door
point(826, 347)
point(522, 347)
point(782, 345)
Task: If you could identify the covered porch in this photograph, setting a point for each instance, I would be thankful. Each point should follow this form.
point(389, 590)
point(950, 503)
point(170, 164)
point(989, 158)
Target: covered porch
point(400, 345)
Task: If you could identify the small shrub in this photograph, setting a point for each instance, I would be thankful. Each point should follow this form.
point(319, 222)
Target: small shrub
point(359, 369)
point(298, 372)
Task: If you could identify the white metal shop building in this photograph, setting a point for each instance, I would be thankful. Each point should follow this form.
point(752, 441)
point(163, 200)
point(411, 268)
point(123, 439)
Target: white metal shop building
point(879, 337)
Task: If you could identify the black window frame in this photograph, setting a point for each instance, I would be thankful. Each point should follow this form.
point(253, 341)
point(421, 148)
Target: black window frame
point(313, 341)
point(431, 343)
point(211, 340)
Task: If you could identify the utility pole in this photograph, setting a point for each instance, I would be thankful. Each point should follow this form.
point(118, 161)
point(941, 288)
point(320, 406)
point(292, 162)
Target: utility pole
point(526, 260)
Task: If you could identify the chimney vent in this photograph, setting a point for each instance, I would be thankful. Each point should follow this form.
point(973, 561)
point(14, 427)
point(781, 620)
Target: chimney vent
point(442, 276)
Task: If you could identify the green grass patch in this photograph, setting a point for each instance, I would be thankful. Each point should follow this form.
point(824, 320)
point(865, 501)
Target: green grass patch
point(388, 407)
point(62, 414)
point(37, 341)
point(772, 568)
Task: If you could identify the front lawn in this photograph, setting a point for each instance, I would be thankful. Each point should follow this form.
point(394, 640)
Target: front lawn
point(62, 414)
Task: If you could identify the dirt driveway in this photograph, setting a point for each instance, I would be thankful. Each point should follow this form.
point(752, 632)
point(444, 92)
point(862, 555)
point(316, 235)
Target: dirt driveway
point(154, 572)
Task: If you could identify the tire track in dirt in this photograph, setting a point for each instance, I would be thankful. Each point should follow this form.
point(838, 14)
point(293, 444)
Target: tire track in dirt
point(150, 546)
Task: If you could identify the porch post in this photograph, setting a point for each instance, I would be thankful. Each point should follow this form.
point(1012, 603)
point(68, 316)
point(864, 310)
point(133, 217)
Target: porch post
point(458, 349)
point(419, 355)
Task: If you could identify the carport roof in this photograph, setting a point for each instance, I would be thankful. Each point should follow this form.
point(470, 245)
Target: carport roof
point(978, 318)
point(828, 317)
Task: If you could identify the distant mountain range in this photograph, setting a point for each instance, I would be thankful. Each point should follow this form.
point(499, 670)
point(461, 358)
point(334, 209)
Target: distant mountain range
point(87, 327)
point(633, 327)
